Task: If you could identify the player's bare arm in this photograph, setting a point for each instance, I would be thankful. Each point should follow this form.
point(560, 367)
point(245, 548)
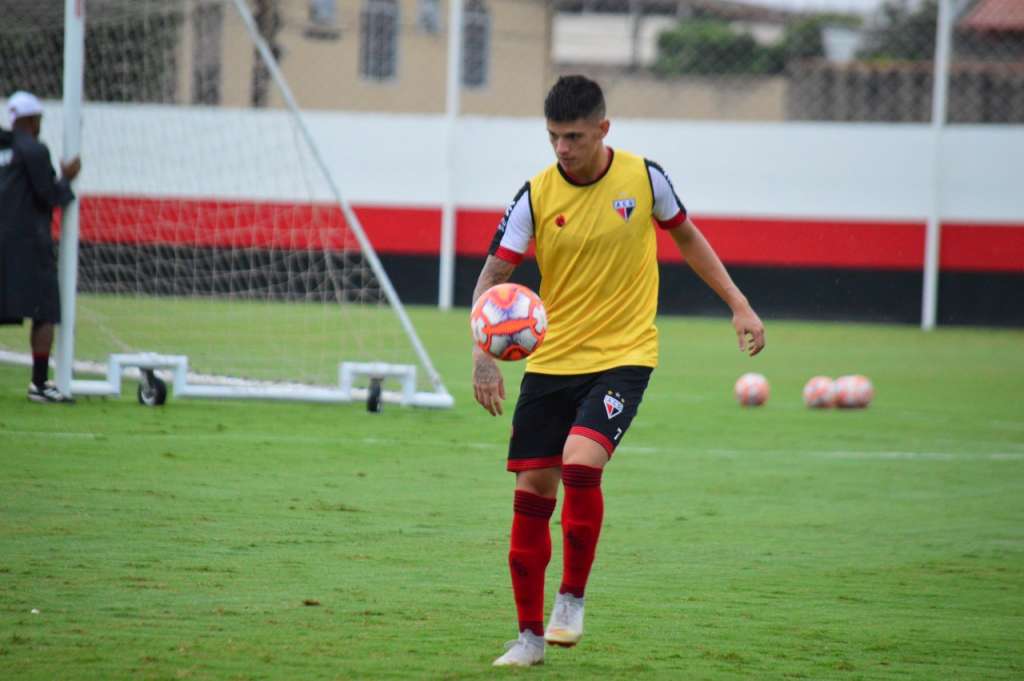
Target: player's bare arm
point(488, 385)
point(705, 262)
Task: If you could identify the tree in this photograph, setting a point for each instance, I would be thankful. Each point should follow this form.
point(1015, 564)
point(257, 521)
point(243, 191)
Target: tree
point(803, 38)
point(905, 33)
point(713, 47)
point(706, 47)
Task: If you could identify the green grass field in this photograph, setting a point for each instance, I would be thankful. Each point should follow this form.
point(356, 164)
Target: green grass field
point(771, 543)
point(230, 337)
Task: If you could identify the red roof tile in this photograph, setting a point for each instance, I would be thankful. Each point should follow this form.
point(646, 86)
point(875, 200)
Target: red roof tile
point(995, 15)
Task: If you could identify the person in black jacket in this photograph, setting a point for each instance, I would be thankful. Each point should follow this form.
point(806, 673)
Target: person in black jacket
point(29, 191)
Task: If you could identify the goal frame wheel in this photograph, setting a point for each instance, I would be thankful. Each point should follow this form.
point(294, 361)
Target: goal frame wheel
point(152, 391)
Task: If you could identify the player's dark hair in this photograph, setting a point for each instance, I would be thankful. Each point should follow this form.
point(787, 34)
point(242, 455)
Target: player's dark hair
point(573, 98)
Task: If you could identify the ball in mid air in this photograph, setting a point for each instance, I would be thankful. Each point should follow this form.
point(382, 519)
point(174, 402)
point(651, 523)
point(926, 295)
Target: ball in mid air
point(509, 321)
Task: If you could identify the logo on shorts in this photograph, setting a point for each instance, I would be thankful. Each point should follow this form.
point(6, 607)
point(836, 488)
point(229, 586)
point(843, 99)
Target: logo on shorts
point(624, 207)
point(612, 406)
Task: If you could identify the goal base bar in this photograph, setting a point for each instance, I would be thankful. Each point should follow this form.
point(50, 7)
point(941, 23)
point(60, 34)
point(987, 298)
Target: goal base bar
point(196, 386)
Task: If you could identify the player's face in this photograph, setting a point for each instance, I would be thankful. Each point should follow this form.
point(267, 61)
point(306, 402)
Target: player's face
point(579, 145)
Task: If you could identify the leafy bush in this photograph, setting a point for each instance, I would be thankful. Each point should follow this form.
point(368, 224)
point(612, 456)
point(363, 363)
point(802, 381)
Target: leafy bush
point(713, 47)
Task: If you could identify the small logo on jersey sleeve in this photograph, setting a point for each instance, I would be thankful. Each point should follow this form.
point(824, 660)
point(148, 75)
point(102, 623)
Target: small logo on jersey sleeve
point(624, 207)
point(612, 406)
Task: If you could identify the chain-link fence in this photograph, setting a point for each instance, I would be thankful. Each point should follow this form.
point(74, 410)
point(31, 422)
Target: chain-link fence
point(890, 75)
point(767, 60)
point(778, 60)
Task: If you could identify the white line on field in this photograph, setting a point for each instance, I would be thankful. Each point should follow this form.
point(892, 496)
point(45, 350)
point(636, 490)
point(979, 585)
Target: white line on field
point(844, 454)
point(1007, 456)
point(249, 436)
point(932, 456)
point(1010, 425)
point(47, 433)
point(500, 446)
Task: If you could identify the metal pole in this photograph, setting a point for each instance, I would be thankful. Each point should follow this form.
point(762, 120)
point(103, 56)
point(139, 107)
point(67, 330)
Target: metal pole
point(940, 85)
point(67, 256)
point(446, 281)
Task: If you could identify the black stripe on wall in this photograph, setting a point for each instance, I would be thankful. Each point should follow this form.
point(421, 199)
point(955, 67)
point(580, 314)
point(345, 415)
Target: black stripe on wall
point(965, 298)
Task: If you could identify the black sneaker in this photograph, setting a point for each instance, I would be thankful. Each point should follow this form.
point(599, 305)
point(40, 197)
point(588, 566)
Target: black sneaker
point(47, 394)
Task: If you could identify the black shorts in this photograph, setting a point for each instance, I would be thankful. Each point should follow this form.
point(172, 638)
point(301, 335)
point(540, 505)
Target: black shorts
point(28, 281)
point(598, 406)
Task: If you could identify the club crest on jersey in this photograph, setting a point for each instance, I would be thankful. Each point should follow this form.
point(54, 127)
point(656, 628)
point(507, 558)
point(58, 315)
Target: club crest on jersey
point(624, 207)
point(612, 407)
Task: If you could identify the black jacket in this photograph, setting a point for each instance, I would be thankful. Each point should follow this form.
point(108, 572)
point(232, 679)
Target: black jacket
point(29, 191)
point(29, 188)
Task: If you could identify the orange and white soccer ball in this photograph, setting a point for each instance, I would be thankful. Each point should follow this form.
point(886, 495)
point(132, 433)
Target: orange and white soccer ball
point(751, 390)
point(509, 321)
point(820, 392)
point(853, 392)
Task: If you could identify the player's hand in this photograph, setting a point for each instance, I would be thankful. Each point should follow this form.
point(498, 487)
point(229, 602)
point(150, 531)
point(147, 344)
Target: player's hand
point(749, 331)
point(488, 386)
point(70, 169)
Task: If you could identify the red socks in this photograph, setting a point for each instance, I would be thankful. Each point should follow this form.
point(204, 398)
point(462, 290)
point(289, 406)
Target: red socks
point(528, 557)
point(530, 549)
point(582, 513)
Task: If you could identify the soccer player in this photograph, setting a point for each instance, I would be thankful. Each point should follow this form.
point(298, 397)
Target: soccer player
point(29, 191)
point(592, 216)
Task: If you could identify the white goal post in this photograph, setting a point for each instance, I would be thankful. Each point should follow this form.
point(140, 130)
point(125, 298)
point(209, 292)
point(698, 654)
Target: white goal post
point(334, 269)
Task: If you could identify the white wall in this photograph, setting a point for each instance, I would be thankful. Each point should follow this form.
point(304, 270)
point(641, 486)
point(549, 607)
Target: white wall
point(815, 170)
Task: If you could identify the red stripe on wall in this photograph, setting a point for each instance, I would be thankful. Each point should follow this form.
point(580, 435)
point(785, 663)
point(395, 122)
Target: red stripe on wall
point(248, 224)
point(416, 231)
point(816, 243)
point(808, 243)
point(983, 248)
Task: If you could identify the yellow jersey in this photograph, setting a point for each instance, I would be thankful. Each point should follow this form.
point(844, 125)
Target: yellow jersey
point(597, 255)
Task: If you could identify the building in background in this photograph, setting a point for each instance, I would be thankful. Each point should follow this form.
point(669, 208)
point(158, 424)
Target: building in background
point(379, 55)
point(354, 55)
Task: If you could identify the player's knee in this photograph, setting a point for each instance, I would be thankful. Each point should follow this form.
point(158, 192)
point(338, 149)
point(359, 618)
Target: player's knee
point(583, 451)
point(540, 481)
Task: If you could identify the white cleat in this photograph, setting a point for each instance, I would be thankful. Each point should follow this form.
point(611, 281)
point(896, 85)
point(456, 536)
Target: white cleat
point(47, 394)
point(565, 628)
point(525, 651)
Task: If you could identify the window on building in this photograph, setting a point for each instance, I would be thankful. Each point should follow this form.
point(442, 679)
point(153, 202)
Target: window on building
point(323, 20)
point(378, 49)
point(428, 16)
point(323, 12)
point(476, 44)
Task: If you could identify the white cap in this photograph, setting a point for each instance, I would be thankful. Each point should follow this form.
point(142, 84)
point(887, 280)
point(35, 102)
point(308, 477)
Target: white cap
point(22, 104)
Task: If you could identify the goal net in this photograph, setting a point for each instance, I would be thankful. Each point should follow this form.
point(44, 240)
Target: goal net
point(210, 226)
